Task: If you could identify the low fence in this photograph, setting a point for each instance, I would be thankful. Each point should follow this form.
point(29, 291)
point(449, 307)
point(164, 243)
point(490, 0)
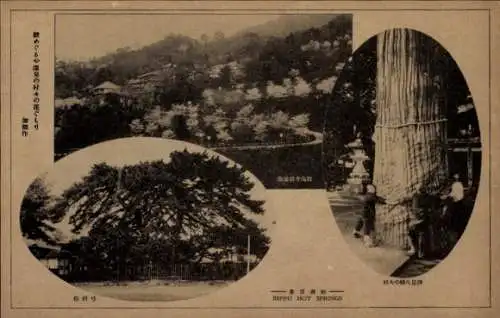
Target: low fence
point(195, 272)
point(224, 271)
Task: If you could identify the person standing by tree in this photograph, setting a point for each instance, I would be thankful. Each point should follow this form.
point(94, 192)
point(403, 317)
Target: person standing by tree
point(454, 206)
point(367, 220)
point(360, 221)
point(421, 207)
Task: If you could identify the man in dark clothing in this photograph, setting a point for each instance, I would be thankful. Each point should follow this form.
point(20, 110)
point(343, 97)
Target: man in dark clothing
point(421, 207)
point(367, 220)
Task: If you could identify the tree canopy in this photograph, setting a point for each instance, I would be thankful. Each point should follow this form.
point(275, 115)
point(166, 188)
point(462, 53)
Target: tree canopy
point(187, 210)
point(36, 215)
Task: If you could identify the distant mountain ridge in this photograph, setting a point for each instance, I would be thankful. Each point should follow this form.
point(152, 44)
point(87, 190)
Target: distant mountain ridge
point(287, 24)
point(267, 52)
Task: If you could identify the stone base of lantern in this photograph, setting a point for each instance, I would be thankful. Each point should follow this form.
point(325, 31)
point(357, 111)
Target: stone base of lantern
point(356, 181)
point(355, 186)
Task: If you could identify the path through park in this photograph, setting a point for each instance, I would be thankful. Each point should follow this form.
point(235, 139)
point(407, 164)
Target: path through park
point(346, 209)
point(318, 139)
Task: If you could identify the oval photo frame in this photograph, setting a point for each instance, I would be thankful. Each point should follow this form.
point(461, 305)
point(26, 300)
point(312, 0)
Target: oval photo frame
point(147, 219)
point(402, 153)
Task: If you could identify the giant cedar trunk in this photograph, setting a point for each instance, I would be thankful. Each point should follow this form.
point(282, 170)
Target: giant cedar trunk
point(410, 128)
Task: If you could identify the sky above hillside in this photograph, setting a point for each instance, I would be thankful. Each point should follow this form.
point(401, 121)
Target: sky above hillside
point(82, 37)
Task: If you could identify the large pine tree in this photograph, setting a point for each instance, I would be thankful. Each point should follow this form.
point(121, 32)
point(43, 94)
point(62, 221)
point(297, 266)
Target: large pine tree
point(175, 212)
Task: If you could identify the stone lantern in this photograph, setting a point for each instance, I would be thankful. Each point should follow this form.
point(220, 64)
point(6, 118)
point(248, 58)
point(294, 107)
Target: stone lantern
point(358, 174)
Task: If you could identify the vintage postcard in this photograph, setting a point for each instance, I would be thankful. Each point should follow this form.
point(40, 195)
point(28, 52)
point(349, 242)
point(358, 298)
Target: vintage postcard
point(248, 158)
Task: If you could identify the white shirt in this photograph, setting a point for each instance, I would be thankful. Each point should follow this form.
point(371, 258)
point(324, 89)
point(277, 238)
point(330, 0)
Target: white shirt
point(457, 191)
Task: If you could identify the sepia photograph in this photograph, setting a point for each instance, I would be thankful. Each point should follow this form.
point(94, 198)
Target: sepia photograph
point(402, 153)
point(251, 87)
point(146, 219)
point(248, 158)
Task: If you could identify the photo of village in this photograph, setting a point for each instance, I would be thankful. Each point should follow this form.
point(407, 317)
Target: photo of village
point(251, 87)
point(154, 222)
point(402, 164)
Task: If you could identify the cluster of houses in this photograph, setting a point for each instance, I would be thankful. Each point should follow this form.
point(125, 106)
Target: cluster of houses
point(237, 70)
point(148, 82)
point(102, 92)
point(56, 261)
point(313, 45)
point(126, 94)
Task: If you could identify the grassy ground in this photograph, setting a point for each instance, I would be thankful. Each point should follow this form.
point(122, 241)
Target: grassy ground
point(152, 291)
point(382, 259)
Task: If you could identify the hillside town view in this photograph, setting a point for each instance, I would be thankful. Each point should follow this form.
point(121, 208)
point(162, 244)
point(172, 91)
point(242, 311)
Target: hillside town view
point(257, 96)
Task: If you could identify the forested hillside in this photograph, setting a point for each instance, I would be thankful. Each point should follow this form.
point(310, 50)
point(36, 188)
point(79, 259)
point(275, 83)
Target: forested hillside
point(262, 88)
point(265, 57)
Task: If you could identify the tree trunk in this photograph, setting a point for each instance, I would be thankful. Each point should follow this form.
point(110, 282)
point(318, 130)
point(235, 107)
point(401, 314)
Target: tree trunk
point(409, 131)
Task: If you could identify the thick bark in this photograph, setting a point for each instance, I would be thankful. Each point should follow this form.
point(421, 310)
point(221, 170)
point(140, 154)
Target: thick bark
point(410, 128)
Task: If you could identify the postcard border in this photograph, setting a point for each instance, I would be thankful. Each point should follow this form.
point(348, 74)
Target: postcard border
point(247, 11)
